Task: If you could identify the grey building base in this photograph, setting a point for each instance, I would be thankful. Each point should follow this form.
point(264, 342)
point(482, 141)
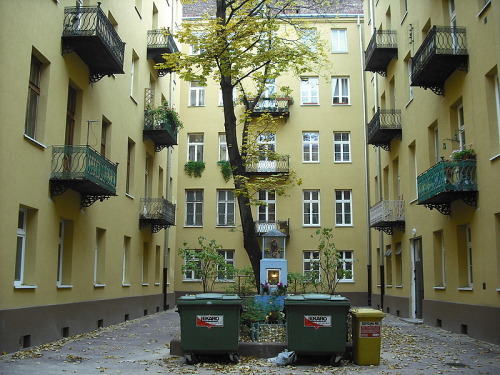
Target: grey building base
point(397, 306)
point(31, 326)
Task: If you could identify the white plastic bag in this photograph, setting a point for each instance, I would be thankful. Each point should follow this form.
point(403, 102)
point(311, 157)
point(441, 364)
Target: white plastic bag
point(283, 358)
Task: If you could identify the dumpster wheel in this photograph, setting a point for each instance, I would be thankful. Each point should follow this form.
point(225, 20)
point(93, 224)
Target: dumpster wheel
point(191, 358)
point(335, 360)
point(234, 358)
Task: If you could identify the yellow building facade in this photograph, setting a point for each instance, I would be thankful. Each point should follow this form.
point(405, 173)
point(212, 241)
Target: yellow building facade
point(432, 76)
point(87, 171)
point(319, 135)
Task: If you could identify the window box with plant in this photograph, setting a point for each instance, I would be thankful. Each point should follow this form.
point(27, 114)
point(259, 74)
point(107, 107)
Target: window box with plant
point(157, 118)
point(194, 168)
point(463, 153)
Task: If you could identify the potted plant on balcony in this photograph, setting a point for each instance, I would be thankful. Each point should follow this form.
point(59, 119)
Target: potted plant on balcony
point(157, 117)
point(463, 154)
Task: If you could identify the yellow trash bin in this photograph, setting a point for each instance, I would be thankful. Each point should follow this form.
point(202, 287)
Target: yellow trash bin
point(366, 335)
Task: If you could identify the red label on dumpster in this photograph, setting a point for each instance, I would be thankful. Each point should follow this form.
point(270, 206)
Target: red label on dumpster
point(209, 321)
point(317, 321)
point(369, 329)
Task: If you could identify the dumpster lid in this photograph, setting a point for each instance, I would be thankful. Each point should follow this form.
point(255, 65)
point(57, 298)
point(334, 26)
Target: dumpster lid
point(211, 296)
point(315, 297)
point(363, 312)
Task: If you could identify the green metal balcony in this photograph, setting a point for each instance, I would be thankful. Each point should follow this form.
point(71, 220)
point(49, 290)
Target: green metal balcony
point(160, 42)
point(88, 32)
point(388, 214)
point(158, 213)
point(443, 51)
point(82, 169)
point(161, 126)
point(381, 50)
point(276, 107)
point(384, 127)
point(446, 182)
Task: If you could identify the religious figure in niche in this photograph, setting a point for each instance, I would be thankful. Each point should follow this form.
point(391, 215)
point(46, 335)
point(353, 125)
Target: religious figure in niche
point(274, 248)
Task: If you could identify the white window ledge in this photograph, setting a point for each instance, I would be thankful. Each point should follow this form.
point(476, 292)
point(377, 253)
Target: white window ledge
point(466, 288)
point(64, 286)
point(439, 288)
point(157, 284)
point(22, 286)
point(99, 285)
point(125, 284)
point(145, 284)
point(34, 141)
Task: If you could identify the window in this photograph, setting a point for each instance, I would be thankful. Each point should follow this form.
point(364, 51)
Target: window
point(229, 259)
point(342, 147)
point(158, 265)
point(126, 261)
point(30, 128)
point(311, 265)
point(223, 152)
point(130, 158)
point(346, 265)
point(310, 147)
point(388, 265)
point(465, 266)
point(64, 253)
point(194, 208)
point(134, 76)
point(311, 208)
point(470, 275)
point(21, 247)
point(196, 94)
point(267, 211)
point(439, 260)
point(192, 275)
point(398, 260)
point(104, 136)
point(497, 102)
point(195, 48)
point(309, 90)
point(343, 205)
point(403, 7)
point(408, 65)
point(145, 264)
point(70, 116)
point(308, 38)
point(195, 147)
point(340, 90)
point(339, 40)
point(148, 175)
point(99, 257)
point(225, 207)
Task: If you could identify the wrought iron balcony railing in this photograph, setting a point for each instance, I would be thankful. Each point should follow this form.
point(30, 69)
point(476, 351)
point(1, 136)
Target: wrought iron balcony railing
point(88, 32)
point(384, 127)
point(280, 164)
point(83, 169)
point(443, 51)
point(161, 126)
point(273, 106)
point(387, 214)
point(264, 226)
point(381, 50)
point(159, 43)
point(448, 181)
point(157, 213)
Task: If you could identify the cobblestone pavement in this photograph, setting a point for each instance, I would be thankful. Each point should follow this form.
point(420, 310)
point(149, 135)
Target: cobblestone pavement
point(142, 345)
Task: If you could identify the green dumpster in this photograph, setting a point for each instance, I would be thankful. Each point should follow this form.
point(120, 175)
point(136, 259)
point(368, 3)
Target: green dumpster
point(317, 325)
point(210, 324)
point(366, 335)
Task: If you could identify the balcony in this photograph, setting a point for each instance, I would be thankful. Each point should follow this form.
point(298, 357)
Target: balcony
point(88, 32)
point(159, 43)
point(446, 182)
point(381, 50)
point(384, 127)
point(161, 127)
point(264, 226)
point(82, 169)
point(269, 166)
point(443, 51)
point(386, 215)
point(158, 213)
point(276, 107)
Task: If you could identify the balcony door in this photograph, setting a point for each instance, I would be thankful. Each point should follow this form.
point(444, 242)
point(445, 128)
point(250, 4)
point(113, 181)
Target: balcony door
point(418, 278)
point(69, 134)
point(267, 148)
point(267, 211)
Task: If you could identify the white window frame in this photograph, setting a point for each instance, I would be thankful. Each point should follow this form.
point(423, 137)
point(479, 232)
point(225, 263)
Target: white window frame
point(470, 275)
point(229, 259)
point(308, 38)
point(196, 94)
point(223, 150)
point(339, 41)
point(344, 261)
point(310, 147)
point(197, 208)
point(189, 275)
point(267, 211)
point(33, 101)
point(226, 208)
point(341, 147)
point(497, 97)
point(343, 208)
point(195, 147)
point(341, 91)
point(21, 253)
point(308, 208)
point(310, 263)
point(309, 90)
point(60, 253)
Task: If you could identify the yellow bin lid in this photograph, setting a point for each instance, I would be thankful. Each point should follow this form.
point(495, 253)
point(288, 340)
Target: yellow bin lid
point(367, 313)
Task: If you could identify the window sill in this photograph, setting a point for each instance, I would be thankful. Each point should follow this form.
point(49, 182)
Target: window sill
point(486, 6)
point(310, 104)
point(346, 281)
point(191, 281)
point(466, 289)
point(409, 102)
point(388, 286)
point(310, 162)
point(439, 288)
point(34, 141)
point(145, 284)
point(135, 101)
point(225, 226)
point(129, 196)
point(399, 286)
point(126, 285)
point(497, 156)
point(99, 285)
point(22, 286)
point(341, 104)
point(193, 226)
point(64, 286)
point(414, 200)
point(157, 284)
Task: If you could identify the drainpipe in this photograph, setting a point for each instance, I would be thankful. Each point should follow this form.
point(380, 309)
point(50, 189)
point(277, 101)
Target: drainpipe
point(367, 168)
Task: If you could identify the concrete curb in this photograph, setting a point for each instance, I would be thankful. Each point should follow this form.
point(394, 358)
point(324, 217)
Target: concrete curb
point(247, 349)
